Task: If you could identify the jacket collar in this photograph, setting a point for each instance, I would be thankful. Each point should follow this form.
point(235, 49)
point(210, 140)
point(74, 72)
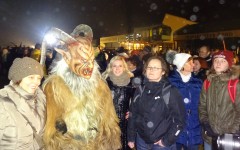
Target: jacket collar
point(233, 73)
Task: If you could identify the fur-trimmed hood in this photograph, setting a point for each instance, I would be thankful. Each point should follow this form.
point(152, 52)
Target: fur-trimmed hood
point(216, 106)
point(233, 73)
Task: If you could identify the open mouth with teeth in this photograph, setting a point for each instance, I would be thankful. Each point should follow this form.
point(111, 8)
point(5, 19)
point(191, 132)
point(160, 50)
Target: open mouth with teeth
point(82, 70)
point(87, 71)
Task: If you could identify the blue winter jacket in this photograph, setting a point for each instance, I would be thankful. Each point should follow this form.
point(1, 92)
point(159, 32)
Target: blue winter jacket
point(190, 92)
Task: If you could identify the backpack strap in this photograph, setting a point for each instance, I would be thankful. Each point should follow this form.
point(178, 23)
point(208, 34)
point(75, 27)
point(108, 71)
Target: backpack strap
point(232, 88)
point(141, 89)
point(166, 94)
point(206, 84)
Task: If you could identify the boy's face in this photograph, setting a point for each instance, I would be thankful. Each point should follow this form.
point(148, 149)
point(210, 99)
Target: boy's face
point(220, 65)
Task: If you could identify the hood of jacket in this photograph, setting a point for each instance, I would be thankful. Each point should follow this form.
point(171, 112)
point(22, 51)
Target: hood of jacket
point(233, 73)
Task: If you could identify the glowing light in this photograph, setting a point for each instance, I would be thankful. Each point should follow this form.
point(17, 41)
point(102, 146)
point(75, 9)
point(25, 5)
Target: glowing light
point(50, 39)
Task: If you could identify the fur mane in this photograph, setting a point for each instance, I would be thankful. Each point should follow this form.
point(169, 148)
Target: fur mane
point(83, 110)
point(232, 73)
point(84, 106)
point(74, 82)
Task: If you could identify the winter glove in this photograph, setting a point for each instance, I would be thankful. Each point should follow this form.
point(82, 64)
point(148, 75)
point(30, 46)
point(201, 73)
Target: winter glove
point(61, 126)
point(208, 131)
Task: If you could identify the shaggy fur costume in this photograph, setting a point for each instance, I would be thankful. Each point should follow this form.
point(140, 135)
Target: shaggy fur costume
point(86, 106)
point(80, 111)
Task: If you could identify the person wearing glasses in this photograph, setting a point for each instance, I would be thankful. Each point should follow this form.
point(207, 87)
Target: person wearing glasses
point(190, 88)
point(153, 123)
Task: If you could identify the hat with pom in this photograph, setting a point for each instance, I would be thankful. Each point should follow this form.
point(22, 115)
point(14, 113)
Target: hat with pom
point(170, 55)
point(23, 67)
point(226, 54)
point(180, 59)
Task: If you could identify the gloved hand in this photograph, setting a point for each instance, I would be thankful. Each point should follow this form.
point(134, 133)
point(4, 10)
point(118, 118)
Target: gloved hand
point(61, 126)
point(208, 131)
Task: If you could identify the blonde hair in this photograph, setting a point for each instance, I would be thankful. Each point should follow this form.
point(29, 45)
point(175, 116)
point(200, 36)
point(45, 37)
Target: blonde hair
point(109, 67)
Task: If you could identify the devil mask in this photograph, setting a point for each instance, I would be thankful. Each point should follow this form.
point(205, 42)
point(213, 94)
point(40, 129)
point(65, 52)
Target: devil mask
point(79, 54)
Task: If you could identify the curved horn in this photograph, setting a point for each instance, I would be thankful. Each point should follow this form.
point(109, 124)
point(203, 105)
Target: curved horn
point(59, 36)
point(83, 30)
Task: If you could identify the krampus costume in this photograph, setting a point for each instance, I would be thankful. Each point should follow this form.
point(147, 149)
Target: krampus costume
point(80, 111)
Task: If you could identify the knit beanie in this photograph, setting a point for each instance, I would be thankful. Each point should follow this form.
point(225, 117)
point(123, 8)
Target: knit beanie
point(226, 54)
point(180, 59)
point(23, 67)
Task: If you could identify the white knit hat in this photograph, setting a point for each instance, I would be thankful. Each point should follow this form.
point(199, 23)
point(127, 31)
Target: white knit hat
point(180, 59)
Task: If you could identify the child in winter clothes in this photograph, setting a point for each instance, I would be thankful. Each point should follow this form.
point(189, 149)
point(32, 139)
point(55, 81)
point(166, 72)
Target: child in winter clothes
point(218, 113)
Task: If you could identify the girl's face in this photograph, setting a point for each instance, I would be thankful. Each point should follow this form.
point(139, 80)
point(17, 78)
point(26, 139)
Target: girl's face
point(220, 65)
point(31, 83)
point(154, 70)
point(197, 65)
point(117, 67)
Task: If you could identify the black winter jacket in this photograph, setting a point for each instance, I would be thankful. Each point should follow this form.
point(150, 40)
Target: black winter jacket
point(152, 119)
point(121, 98)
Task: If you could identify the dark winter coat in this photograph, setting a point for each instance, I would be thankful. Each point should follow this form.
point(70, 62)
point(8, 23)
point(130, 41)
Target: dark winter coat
point(121, 98)
point(216, 107)
point(190, 92)
point(201, 74)
point(152, 119)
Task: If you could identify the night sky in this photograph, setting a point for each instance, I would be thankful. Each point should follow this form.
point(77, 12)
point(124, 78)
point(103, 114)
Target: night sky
point(26, 21)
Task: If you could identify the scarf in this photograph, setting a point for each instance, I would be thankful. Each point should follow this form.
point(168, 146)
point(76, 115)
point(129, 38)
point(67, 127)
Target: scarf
point(185, 78)
point(121, 80)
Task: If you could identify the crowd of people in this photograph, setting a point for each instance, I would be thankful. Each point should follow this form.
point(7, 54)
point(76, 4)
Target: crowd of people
point(8, 54)
point(168, 101)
